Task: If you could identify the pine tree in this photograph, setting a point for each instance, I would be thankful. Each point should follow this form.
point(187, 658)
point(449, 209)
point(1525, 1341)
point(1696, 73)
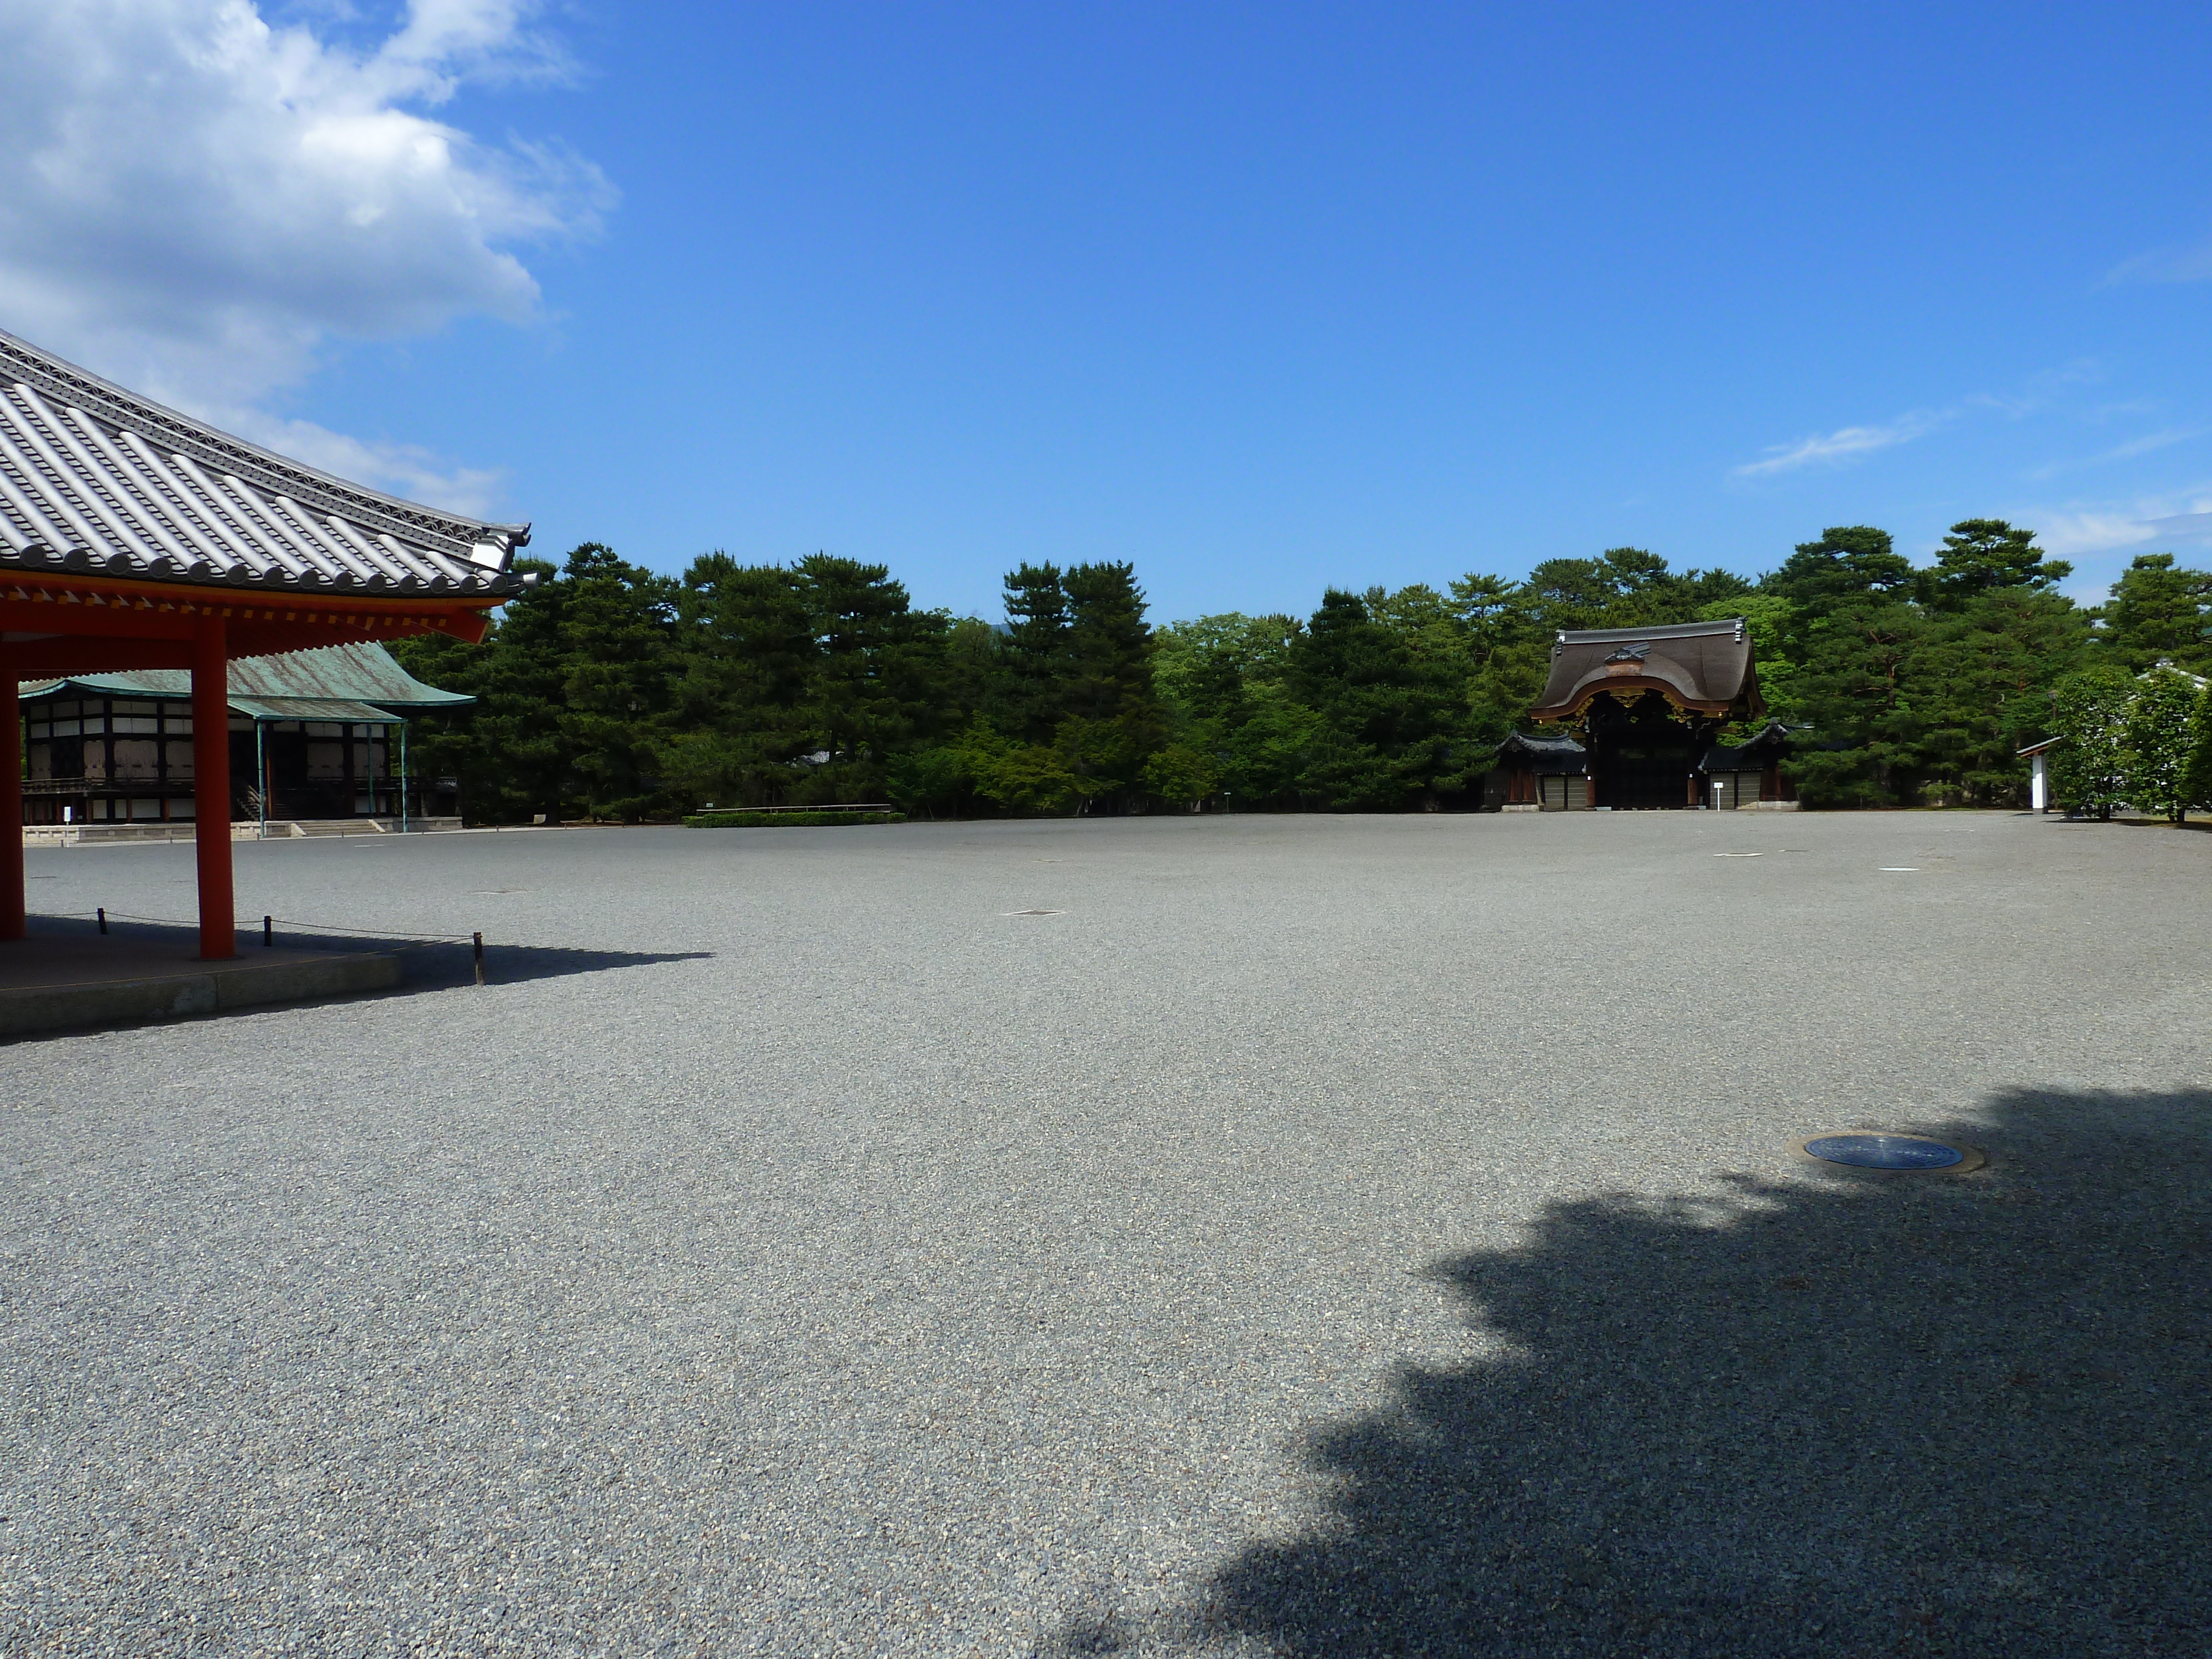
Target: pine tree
point(1848, 565)
point(1111, 718)
point(1981, 683)
point(1982, 555)
point(1033, 654)
point(736, 728)
point(1391, 721)
point(2158, 612)
point(1858, 688)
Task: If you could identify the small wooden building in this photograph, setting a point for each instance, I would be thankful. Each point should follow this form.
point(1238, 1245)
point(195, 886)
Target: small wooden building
point(314, 735)
point(1750, 772)
point(1538, 774)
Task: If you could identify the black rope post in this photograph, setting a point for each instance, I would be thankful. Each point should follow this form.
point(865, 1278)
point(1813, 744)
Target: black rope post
point(268, 931)
point(102, 914)
point(479, 950)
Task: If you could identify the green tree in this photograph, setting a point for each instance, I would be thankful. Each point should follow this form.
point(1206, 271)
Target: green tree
point(1848, 564)
point(573, 686)
point(1981, 556)
point(1389, 716)
point(1033, 666)
point(2198, 783)
point(1856, 689)
point(736, 727)
point(2159, 740)
point(2090, 710)
point(875, 680)
point(2159, 612)
point(1771, 622)
point(1111, 720)
point(1178, 774)
point(1981, 684)
point(1508, 654)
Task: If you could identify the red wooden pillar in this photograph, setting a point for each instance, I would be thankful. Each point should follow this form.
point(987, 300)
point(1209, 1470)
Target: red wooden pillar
point(11, 804)
point(211, 790)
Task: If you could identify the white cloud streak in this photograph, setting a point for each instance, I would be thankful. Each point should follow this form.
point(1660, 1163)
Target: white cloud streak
point(2145, 524)
point(194, 202)
point(1844, 444)
point(2184, 264)
point(2149, 443)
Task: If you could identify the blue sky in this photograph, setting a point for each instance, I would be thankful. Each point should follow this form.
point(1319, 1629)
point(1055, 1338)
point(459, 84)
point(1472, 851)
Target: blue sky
point(1264, 299)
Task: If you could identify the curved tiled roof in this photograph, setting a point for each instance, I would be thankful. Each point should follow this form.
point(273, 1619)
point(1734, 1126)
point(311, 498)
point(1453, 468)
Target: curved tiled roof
point(364, 672)
point(1704, 666)
point(98, 480)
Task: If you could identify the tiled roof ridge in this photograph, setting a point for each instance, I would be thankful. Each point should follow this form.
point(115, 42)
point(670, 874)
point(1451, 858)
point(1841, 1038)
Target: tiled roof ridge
point(250, 462)
point(1692, 630)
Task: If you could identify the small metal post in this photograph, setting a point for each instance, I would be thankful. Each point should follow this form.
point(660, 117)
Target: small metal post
point(479, 951)
point(103, 918)
point(403, 801)
point(268, 931)
point(261, 775)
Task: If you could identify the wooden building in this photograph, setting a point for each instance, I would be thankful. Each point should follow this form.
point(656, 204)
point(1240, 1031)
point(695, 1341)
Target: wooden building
point(135, 537)
point(1644, 708)
point(315, 735)
point(1539, 774)
point(1750, 773)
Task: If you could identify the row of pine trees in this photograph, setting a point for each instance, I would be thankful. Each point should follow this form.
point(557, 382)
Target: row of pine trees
point(611, 691)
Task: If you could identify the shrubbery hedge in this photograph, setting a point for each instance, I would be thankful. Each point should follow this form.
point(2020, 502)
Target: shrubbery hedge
point(785, 820)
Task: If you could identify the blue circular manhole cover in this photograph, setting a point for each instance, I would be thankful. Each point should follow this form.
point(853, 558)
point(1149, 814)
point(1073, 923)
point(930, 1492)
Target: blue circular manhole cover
point(1881, 1152)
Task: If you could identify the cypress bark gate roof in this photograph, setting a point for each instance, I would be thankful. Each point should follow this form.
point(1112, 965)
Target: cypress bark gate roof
point(100, 481)
point(1703, 668)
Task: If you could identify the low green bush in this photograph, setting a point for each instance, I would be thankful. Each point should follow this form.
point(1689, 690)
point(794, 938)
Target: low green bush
point(785, 820)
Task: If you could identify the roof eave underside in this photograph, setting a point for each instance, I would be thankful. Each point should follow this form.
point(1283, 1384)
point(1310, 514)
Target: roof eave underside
point(97, 480)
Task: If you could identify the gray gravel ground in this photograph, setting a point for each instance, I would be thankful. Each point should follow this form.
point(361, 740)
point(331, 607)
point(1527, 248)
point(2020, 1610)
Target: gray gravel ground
point(1327, 1235)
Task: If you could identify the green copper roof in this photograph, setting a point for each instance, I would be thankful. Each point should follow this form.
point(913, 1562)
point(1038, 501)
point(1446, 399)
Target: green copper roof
point(335, 673)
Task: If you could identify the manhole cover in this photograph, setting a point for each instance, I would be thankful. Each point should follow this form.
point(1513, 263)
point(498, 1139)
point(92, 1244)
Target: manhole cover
point(1908, 1153)
point(1032, 913)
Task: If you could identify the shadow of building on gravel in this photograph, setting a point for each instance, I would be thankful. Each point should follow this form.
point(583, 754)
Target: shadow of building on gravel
point(427, 965)
point(1840, 1414)
point(438, 967)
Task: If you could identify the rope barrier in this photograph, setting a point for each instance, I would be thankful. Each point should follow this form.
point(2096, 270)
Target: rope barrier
point(418, 939)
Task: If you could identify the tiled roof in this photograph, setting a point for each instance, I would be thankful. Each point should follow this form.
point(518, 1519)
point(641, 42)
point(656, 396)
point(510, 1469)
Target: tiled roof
point(99, 480)
point(1706, 666)
point(365, 673)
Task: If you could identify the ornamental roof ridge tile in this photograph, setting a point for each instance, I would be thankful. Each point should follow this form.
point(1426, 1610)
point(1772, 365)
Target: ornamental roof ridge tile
point(1656, 631)
point(106, 482)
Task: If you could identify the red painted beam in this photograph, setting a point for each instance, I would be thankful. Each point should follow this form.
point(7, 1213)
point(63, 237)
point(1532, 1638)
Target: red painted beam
point(11, 803)
point(211, 791)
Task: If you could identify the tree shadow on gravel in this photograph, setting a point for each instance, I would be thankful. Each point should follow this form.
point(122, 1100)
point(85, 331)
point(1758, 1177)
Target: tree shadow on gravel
point(1837, 1414)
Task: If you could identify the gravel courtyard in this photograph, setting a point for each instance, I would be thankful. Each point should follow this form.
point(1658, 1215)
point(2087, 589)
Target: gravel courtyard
point(1317, 1236)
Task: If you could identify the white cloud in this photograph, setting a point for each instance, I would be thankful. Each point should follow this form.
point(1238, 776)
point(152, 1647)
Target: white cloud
point(2184, 264)
point(1846, 443)
point(2104, 527)
point(2147, 444)
point(192, 201)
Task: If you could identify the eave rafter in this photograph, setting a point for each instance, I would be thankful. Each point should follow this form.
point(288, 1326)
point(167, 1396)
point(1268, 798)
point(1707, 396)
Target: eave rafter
point(1627, 689)
point(56, 625)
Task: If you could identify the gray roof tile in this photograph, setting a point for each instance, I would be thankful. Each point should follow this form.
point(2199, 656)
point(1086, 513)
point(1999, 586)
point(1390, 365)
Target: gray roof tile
point(97, 479)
